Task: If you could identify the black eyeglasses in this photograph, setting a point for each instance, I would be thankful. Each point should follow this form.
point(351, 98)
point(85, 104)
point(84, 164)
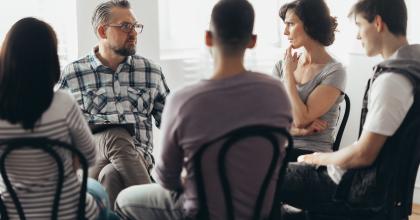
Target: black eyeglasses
point(127, 27)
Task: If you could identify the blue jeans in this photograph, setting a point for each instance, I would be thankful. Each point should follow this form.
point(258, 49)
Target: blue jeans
point(99, 194)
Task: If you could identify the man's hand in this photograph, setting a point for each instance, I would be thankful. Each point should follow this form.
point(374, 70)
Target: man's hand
point(313, 159)
point(360, 154)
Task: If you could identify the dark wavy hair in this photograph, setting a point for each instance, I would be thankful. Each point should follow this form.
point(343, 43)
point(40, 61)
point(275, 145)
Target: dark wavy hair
point(316, 19)
point(29, 69)
point(392, 12)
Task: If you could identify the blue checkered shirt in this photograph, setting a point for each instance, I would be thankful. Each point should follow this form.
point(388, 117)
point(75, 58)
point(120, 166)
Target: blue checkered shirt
point(133, 93)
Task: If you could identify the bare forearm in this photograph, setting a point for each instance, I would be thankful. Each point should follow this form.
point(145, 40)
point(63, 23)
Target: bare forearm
point(299, 110)
point(346, 158)
point(361, 154)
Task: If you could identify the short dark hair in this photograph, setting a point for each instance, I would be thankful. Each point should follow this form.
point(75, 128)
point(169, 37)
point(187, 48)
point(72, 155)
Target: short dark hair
point(316, 19)
point(102, 13)
point(392, 12)
point(29, 69)
point(233, 22)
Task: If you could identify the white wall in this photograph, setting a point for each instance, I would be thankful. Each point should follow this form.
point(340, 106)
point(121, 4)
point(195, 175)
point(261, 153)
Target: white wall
point(146, 13)
point(359, 67)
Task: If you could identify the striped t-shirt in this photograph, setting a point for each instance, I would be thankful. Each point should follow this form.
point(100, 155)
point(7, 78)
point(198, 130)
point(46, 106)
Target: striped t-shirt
point(34, 174)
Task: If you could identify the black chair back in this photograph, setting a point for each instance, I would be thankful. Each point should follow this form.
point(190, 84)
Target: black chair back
point(337, 141)
point(231, 140)
point(46, 145)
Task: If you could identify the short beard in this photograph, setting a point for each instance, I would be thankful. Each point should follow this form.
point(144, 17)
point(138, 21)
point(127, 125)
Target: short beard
point(125, 51)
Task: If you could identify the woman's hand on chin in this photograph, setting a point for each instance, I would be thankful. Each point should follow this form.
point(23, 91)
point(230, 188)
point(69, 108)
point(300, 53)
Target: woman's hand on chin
point(290, 62)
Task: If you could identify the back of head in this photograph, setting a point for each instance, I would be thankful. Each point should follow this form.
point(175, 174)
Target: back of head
point(29, 70)
point(102, 13)
point(232, 23)
point(316, 19)
point(392, 12)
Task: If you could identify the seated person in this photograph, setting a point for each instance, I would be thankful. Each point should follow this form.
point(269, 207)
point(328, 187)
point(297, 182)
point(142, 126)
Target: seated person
point(114, 85)
point(30, 108)
point(389, 105)
point(199, 113)
point(314, 80)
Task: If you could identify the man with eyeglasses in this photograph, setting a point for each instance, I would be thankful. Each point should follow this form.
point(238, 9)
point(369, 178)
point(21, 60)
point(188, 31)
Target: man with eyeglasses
point(118, 92)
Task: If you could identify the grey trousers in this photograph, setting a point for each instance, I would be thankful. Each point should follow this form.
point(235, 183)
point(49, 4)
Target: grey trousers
point(119, 165)
point(149, 202)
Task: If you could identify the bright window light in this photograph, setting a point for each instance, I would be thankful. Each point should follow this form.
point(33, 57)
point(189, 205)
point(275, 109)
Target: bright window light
point(60, 14)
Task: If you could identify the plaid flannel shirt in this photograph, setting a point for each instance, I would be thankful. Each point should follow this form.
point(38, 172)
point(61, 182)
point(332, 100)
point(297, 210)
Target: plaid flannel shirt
point(133, 93)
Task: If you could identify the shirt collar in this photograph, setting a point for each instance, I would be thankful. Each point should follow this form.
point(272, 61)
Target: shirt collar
point(96, 63)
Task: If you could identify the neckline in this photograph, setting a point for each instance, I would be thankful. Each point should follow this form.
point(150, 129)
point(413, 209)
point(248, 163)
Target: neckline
point(319, 73)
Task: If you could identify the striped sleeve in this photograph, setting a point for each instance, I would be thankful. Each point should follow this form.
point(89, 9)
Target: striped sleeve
point(80, 133)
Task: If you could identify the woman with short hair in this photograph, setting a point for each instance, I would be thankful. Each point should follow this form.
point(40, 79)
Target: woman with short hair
point(314, 80)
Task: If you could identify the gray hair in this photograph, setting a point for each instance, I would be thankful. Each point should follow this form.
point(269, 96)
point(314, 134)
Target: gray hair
point(102, 12)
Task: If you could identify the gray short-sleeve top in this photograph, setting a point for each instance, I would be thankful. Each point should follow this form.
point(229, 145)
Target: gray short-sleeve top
point(333, 74)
